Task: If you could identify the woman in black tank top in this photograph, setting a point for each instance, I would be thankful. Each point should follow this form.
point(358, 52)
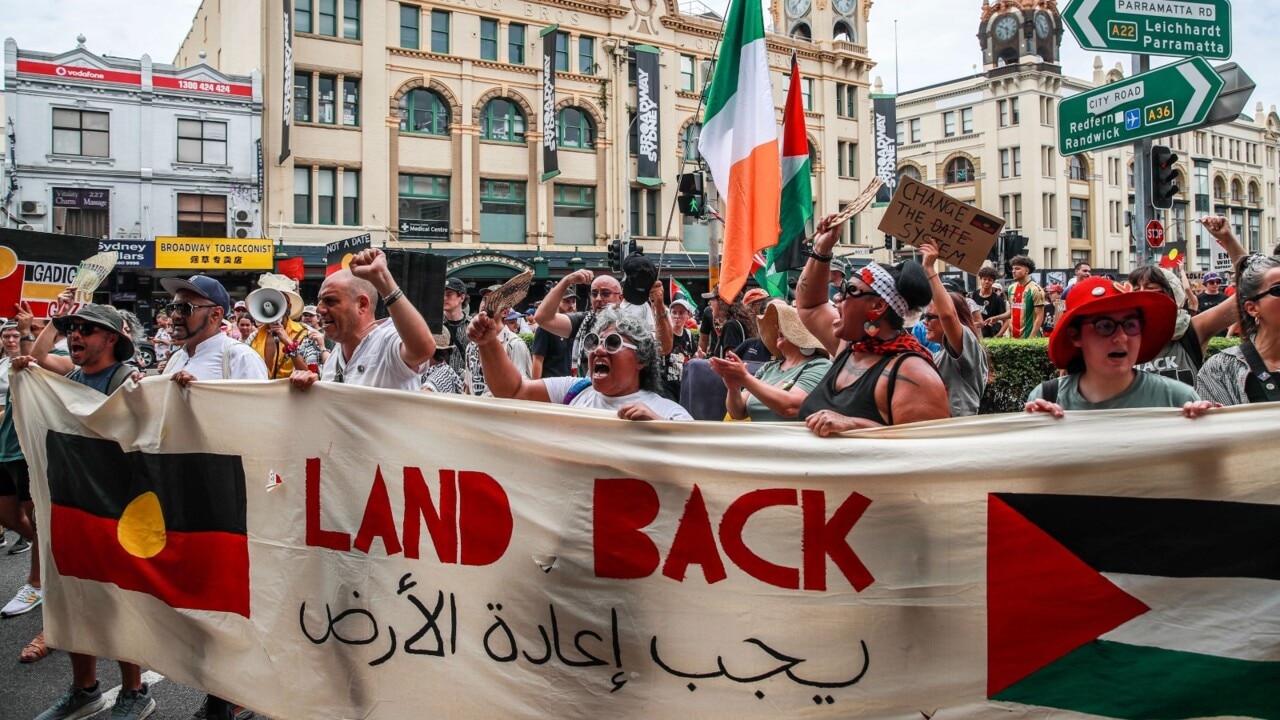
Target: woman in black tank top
point(882, 375)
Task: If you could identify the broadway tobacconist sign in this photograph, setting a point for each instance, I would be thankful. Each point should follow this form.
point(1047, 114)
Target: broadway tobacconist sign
point(187, 253)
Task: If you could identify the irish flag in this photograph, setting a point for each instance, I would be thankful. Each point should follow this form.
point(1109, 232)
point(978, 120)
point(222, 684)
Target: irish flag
point(1133, 607)
point(797, 193)
point(739, 141)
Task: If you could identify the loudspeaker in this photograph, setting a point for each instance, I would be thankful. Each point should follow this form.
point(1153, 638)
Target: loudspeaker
point(421, 276)
point(267, 305)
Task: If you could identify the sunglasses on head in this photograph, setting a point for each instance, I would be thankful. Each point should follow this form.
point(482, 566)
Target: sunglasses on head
point(1273, 291)
point(85, 329)
point(184, 308)
point(1106, 327)
point(613, 342)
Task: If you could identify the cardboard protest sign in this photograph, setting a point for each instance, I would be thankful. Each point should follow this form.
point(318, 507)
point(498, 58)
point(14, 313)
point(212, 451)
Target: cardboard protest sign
point(338, 254)
point(36, 267)
point(964, 233)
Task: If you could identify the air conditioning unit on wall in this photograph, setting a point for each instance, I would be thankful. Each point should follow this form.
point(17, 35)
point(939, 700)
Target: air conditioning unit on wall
point(241, 216)
point(242, 232)
point(32, 207)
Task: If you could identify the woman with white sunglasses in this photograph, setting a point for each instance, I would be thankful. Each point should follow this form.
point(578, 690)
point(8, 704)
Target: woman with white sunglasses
point(621, 373)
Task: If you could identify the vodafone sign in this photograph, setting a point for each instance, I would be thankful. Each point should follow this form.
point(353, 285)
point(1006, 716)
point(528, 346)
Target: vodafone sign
point(76, 72)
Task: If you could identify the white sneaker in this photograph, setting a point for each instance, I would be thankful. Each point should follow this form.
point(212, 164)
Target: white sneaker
point(27, 599)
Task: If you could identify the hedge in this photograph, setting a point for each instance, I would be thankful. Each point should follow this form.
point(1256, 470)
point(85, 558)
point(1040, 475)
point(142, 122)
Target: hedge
point(1020, 365)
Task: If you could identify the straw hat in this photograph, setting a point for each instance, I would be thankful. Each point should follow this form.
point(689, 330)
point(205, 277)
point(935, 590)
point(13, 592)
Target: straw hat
point(286, 285)
point(784, 319)
point(442, 340)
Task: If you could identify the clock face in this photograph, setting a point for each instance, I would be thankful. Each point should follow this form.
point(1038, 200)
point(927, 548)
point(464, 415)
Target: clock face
point(1006, 27)
point(1043, 25)
point(845, 7)
point(797, 8)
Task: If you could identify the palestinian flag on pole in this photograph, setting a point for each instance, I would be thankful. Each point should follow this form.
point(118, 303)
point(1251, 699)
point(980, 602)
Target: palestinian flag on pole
point(1132, 607)
point(797, 193)
point(171, 526)
point(739, 141)
point(678, 290)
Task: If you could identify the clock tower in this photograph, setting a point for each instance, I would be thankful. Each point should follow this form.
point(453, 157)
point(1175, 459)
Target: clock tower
point(1016, 32)
point(822, 20)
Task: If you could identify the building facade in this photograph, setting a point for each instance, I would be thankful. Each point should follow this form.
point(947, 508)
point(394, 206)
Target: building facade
point(421, 122)
point(992, 139)
point(129, 151)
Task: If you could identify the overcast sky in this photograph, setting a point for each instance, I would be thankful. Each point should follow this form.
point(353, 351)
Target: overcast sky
point(936, 38)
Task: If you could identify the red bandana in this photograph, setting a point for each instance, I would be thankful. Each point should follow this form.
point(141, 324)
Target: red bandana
point(903, 342)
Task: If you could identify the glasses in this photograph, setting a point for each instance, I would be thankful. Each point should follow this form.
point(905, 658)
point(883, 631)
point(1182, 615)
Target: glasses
point(850, 291)
point(85, 329)
point(184, 308)
point(1106, 327)
point(1273, 291)
point(613, 342)
point(928, 317)
point(606, 294)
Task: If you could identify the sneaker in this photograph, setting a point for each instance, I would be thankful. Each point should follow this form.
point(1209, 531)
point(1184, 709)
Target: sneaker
point(27, 599)
point(20, 546)
point(134, 704)
point(3, 540)
point(77, 703)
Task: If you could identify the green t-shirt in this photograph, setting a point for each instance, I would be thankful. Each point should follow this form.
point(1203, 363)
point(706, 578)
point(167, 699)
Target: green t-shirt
point(1148, 390)
point(10, 450)
point(806, 375)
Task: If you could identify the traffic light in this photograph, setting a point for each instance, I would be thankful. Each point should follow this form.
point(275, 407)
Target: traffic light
point(888, 241)
point(693, 199)
point(1164, 178)
point(1015, 244)
point(615, 255)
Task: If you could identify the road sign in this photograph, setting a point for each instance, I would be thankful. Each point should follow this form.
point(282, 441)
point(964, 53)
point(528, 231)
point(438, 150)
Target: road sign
point(1181, 28)
point(1167, 100)
point(431, 229)
point(1236, 90)
point(1155, 234)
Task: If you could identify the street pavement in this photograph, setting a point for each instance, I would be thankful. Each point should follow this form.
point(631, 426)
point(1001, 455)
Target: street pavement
point(27, 690)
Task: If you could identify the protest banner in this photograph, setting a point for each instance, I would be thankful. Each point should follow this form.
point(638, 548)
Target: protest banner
point(964, 233)
point(35, 267)
point(402, 555)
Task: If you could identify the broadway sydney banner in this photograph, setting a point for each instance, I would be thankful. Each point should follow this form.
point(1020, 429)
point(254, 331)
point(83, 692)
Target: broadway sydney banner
point(884, 113)
point(403, 551)
point(550, 138)
point(646, 119)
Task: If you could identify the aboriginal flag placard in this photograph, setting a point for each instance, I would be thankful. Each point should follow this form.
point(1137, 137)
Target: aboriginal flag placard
point(338, 254)
point(172, 526)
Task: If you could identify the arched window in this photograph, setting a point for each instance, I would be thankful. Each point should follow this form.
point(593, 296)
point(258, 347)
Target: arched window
point(843, 31)
point(1255, 195)
point(692, 132)
point(1219, 188)
point(502, 120)
point(1077, 168)
point(802, 32)
point(1237, 190)
point(424, 111)
point(959, 170)
point(910, 171)
point(576, 129)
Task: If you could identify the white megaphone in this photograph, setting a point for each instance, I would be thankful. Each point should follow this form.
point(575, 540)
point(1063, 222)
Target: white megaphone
point(267, 305)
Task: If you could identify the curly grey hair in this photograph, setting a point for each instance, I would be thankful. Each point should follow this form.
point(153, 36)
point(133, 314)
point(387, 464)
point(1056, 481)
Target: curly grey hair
point(633, 329)
point(1250, 270)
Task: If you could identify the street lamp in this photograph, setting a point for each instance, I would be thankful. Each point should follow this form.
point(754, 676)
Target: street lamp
point(576, 262)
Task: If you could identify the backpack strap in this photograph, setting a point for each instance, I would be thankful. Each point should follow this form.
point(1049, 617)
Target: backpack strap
point(122, 373)
point(1259, 384)
point(576, 389)
point(1049, 390)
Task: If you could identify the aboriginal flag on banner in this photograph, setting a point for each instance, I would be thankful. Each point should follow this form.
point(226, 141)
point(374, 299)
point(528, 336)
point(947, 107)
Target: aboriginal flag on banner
point(338, 254)
point(1132, 607)
point(169, 525)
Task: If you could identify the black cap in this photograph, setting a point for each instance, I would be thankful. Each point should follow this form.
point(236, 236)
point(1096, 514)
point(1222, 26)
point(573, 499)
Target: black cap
point(456, 285)
point(638, 276)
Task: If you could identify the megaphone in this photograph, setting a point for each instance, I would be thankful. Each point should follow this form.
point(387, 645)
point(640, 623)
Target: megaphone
point(267, 305)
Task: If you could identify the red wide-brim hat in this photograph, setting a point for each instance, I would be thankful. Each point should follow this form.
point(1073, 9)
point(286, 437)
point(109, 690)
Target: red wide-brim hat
point(1098, 295)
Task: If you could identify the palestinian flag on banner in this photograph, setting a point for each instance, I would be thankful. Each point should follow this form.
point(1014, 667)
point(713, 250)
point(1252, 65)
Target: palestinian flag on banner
point(797, 194)
point(172, 526)
point(1132, 607)
point(739, 141)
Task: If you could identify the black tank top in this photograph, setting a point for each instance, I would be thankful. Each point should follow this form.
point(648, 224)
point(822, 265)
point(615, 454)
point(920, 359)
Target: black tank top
point(859, 399)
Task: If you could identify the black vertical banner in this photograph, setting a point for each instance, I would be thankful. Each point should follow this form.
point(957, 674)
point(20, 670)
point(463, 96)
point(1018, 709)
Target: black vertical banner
point(286, 107)
point(647, 134)
point(550, 129)
point(884, 113)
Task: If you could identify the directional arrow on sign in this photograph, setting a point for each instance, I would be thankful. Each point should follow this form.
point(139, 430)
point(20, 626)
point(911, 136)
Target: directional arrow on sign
point(1195, 28)
point(1160, 102)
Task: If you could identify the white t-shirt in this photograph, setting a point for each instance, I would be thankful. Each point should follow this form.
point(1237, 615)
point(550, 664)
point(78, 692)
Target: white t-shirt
point(241, 363)
point(375, 363)
point(558, 387)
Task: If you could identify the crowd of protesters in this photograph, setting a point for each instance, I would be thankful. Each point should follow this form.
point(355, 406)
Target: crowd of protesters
point(877, 346)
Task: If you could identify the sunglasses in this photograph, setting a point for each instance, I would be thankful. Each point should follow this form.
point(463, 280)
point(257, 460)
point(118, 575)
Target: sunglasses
point(1106, 327)
point(928, 317)
point(613, 342)
point(85, 329)
point(850, 291)
point(184, 308)
point(1273, 291)
point(603, 293)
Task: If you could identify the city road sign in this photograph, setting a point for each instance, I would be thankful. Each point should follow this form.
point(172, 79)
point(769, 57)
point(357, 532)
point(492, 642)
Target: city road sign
point(1163, 101)
point(1155, 233)
point(1180, 28)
